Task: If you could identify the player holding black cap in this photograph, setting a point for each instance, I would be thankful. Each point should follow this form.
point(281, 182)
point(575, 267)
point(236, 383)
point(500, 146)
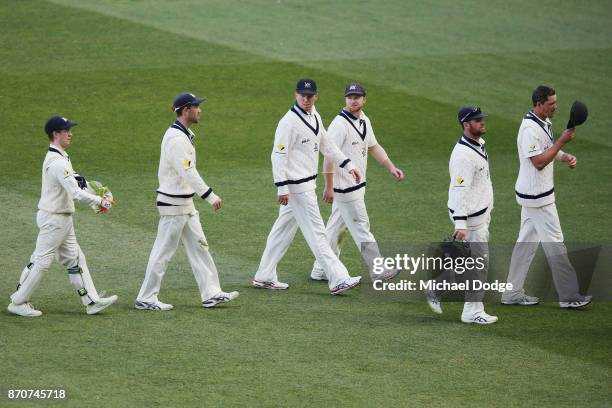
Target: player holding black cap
point(351, 130)
point(295, 160)
point(537, 152)
point(470, 201)
point(179, 181)
point(61, 185)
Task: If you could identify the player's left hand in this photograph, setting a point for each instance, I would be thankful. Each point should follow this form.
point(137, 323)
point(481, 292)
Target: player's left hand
point(570, 160)
point(106, 204)
point(397, 173)
point(356, 175)
point(217, 204)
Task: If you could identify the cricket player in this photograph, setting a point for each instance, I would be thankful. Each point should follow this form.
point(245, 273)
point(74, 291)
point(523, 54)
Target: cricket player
point(179, 181)
point(295, 160)
point(470, 201)
point(352, 132)
point(61, 185)
point(535, 193)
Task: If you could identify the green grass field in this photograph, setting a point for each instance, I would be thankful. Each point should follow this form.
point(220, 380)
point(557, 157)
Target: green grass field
point(115, 67)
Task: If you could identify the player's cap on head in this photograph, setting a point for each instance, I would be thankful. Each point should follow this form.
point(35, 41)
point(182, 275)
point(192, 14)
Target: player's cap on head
point(186, 99)
point(306, 86)
point(56, 123)
point(354, 89)
point(467, 113)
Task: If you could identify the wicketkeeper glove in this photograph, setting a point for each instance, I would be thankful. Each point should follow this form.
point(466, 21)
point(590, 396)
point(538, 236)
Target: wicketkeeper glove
point(96, 188)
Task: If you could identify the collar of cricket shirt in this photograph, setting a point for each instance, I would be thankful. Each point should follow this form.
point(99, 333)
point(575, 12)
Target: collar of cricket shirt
point(56, 149)
point(479, 148)
point(297, 109)
point(178, 125)
point(351, 119)
point(546, 125)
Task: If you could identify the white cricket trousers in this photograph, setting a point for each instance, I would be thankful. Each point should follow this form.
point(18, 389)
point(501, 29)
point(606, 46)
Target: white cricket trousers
point(351, 215)
point(303, 211)
point(170, 230)
point(478, 237)
point(56, 240)
point(541, 224)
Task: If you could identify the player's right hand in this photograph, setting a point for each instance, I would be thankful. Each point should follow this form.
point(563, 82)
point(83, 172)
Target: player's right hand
point(328, 195)
point(567, 135)
point(106, 204)
point(460, 234)
point(217, 204)
point(283, 199)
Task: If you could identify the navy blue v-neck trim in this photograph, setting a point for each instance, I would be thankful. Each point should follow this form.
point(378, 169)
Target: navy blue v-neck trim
point(314, 130)
point(346, 115)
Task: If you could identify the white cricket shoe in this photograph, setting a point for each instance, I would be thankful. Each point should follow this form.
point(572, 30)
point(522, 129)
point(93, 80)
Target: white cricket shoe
point(522, 300)
point(153, 305)
point(24, 309)
point(388, 275)
point(221, 297)
point(318, 275)
point(576, 304)
point(345, 285)
point(274, 285)
point(434, 303)
point(100, 305)
point(479, 318)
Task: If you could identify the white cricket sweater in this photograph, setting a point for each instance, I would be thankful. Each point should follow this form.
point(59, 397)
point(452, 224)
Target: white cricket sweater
point(353, 136)
point(178, 177)
point(470, 194)
point(60, 186)
point(295, 157)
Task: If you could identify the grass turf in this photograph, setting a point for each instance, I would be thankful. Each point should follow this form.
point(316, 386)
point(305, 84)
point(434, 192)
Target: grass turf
point(114, 67)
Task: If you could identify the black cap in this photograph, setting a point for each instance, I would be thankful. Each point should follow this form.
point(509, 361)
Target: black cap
point(467, 113)
point(55, 123)
point(186, 99)
point(306, 87)
point(578, 114)
point(354, 89)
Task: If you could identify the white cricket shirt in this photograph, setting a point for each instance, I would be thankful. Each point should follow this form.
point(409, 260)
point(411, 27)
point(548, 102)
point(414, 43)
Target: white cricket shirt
point(534, 188)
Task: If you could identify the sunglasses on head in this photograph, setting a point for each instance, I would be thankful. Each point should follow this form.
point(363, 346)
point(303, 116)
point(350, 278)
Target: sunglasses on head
point(472, 112)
